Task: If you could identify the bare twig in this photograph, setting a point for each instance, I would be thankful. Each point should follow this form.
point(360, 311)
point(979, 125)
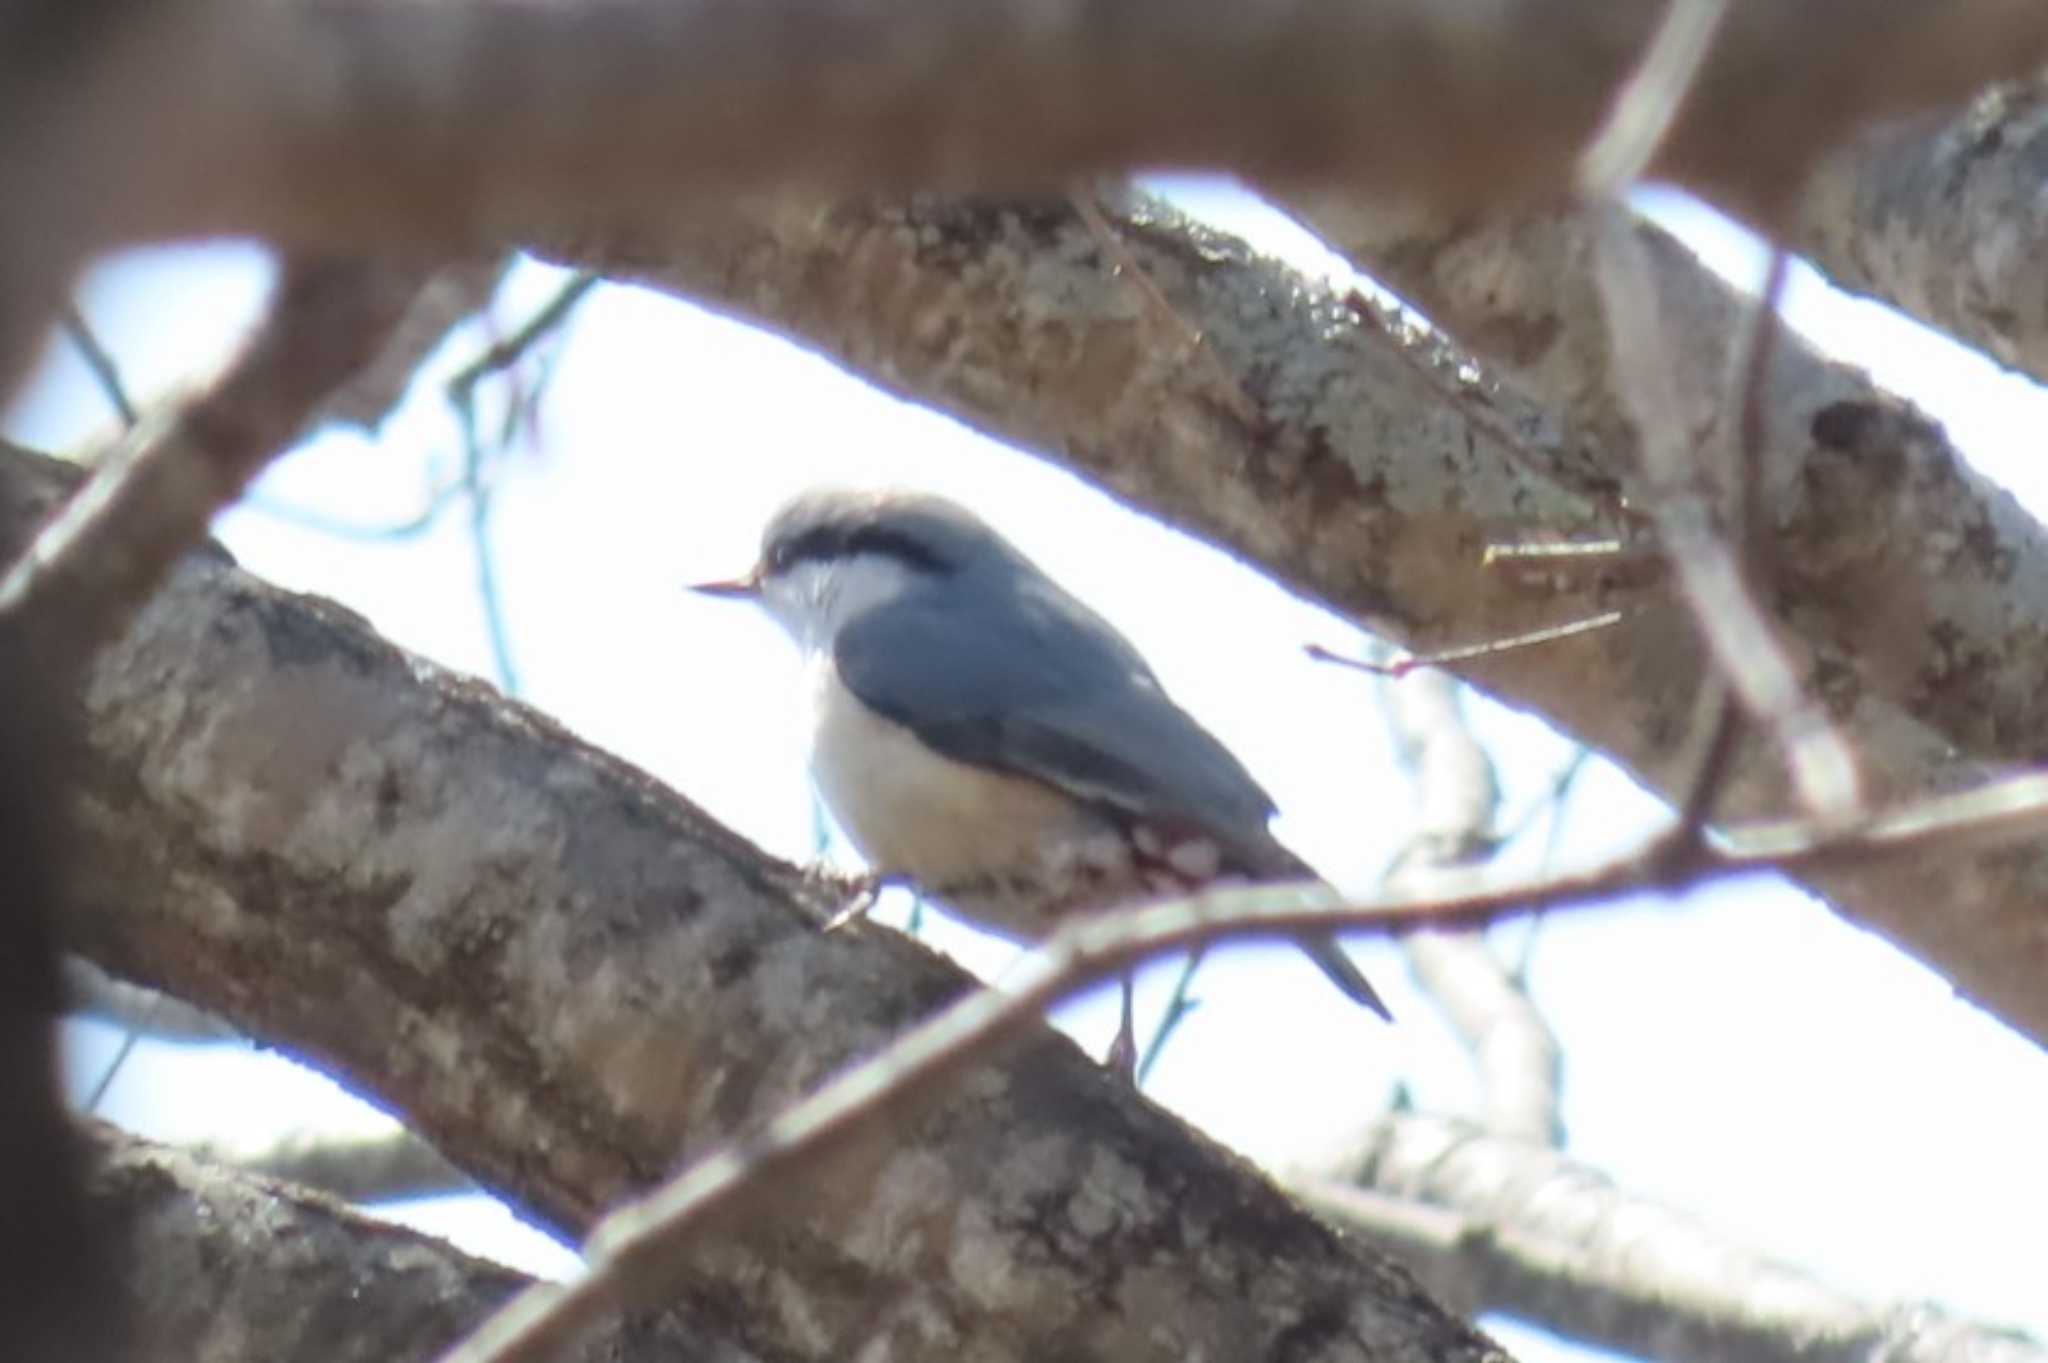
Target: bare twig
point(1647, 105)
point(651, 104)
point(105, 371)
point(1179, 1005)
point(476, 483)
point(1708, 569)
point(78, 583)
point(504, 354)
point(1450, 657)
point(1744, 509)
point(1492, 1223)
point(630, 1249)
point(1512, 1047)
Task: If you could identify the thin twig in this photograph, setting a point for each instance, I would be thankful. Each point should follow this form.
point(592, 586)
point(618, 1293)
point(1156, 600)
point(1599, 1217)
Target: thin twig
point(630, 1251)
point(475, 483)
point(1553, 803)
point(1125, 266)
point(1708, 570)
point(509, 351)
point(112, 1071)
point(1647, 105)
point(1751, 386)
point(1450, 657)
point(98, 359)
point(1179, 1005)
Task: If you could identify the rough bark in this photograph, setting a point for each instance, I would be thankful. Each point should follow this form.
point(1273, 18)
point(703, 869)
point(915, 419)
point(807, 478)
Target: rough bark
point(1941, 218)
point(226, 1267)
point(569, 979)
point(1369, 468)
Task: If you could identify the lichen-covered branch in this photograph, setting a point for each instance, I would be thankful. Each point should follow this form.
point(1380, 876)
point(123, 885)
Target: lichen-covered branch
point(1940, 217)
point(227, 1267)
point(1380, 465)
point(1493, 1223)
point(570, 980)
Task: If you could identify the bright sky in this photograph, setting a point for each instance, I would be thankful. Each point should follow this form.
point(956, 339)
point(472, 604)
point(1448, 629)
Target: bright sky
point(1742, 1054)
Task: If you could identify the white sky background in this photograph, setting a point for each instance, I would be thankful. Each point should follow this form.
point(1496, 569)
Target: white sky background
point(1743, 1054)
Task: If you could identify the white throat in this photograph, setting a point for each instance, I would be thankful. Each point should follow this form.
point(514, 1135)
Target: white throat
point(814, 600)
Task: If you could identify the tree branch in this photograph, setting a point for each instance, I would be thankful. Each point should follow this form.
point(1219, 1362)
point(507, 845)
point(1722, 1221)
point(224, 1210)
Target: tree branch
point(93, 993)
point(1382, 465)
point(152, 499)
point(360, 124)
point(568, 979)
point(638, 1248)
point(353, 1168)
point(1512, 1047)
point(1937, 217)
point(1492, 1223)
point(443, 300)
point(208, 1252)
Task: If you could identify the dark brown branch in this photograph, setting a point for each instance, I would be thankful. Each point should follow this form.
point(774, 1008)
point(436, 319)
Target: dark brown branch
point(356, 124)
point(1491, 1223)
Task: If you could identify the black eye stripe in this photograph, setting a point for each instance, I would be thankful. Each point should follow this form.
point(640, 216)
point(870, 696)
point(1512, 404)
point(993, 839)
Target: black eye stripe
point(823, 542)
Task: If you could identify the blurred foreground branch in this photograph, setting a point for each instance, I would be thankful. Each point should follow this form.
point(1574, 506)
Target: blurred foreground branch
point(145, 505)
point(365, 125)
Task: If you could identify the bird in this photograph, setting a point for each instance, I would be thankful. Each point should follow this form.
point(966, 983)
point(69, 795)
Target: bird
point(981, 733)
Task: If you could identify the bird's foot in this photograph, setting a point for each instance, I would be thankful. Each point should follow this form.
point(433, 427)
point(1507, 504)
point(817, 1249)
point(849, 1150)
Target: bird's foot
point(1122, 1059)
point(863, 893)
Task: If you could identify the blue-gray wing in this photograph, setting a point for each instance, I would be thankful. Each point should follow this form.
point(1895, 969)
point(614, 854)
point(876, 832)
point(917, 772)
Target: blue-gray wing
point(1033, 683)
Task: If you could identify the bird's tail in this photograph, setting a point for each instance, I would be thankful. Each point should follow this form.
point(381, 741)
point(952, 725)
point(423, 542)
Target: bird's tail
point(1323, 949)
